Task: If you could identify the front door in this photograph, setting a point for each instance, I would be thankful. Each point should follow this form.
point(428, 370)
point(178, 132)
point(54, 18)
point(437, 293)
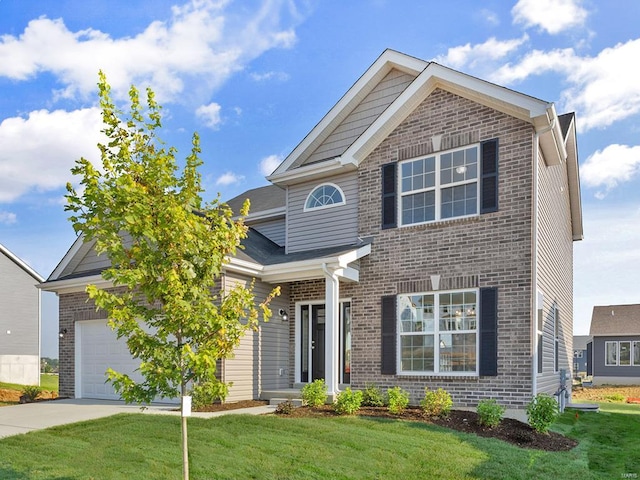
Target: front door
point(317, 341)
point(311, 328)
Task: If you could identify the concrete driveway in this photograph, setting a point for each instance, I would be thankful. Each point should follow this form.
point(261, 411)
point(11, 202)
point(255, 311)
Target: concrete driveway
point(18, 419)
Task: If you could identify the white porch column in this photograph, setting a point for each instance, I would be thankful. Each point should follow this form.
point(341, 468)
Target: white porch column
point(332, 330)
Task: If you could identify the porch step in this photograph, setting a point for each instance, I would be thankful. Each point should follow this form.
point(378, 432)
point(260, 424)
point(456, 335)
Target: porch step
point(297, 402)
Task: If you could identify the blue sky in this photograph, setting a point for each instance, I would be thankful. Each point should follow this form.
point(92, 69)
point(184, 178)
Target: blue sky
point(253, 77)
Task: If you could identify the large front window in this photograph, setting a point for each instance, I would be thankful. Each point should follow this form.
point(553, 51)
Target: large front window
point(438, 332)
point(440, 186)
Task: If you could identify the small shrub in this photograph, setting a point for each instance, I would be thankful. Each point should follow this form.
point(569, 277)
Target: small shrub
point(30, 393)
point(490, 413)
point(372, 397)
point(315, 394)
point(348, 402)
point(202, 396)
point(436, 404)
point(541, 412)
point(615, 397)
point(285, 408)
point(397, 400)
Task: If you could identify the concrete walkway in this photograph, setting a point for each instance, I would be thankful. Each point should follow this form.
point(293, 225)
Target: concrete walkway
point(18, 419)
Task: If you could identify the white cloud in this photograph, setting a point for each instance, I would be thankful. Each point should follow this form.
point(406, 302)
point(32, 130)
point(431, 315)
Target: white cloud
point(229, 178)
point(611, 166)
point(490, 17)
point(38, 151)
point(474, 55)
point(263, 77)
point(188, 55)
point(269, 164)
point(600, 88)
point(209, 115)
point(8, 217)
point(553, 16)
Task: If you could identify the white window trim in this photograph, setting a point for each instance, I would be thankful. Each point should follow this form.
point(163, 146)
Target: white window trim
point(635, 344)
point(556, 338)
point(436, 333)
point(438, 187)
point(630, 342)
point(331, 205)
point(539, 333)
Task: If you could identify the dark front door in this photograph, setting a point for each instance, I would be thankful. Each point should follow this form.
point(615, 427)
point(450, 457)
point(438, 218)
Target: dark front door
point(317, 341)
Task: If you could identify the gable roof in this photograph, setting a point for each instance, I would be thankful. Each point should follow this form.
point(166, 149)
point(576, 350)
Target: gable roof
point(615, 320)
point(14, 258)
point(556, 134)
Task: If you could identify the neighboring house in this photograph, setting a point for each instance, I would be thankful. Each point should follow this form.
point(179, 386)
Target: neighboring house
point(580, 355)
point(422, 234)
point(19, 321)
point(613, 356)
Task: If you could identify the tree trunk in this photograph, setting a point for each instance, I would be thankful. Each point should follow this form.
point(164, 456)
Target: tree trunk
point(185, 448)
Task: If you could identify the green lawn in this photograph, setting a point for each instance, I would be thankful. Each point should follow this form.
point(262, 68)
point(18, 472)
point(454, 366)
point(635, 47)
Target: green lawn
point(47, 382)
point(269, 447)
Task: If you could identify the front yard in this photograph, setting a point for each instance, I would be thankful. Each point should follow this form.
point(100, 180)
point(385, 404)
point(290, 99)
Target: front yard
point(278, 447)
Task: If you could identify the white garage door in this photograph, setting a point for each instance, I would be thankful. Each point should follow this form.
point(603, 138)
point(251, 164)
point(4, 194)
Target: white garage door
point(97, 349)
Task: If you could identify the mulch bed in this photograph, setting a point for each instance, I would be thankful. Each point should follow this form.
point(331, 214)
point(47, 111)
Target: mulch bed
point(509, 430)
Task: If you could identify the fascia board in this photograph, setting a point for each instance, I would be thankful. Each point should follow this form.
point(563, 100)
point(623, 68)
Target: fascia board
point(435, 76)
point(262, 215)
point(36, 276)
point(361, 88)
point(242, 266)
point(310, 172)
point(71, 253)
point(573, 178)
point(73, 285)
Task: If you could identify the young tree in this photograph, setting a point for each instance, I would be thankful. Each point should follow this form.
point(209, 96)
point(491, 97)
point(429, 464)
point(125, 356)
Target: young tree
point(167, 249)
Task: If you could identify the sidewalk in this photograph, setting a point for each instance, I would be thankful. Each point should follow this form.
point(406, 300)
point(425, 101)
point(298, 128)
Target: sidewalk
point(19, 419)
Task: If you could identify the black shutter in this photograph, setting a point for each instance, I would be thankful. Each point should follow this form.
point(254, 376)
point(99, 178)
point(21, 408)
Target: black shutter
point(389, 322)
point(389, 196)
point(589, 358)
point(489, 177)
point(489, 332)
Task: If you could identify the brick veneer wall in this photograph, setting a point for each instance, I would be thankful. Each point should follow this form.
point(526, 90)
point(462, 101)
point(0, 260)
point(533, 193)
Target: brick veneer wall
point(492, 250)
point(72, 307)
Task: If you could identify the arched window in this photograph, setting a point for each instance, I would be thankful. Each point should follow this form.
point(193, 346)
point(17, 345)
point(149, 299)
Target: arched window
point(324, 196)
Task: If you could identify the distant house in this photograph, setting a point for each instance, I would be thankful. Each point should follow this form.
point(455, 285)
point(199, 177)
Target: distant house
point(19, 321)
point(614, 353)
point(422, 234)
point(580, 355)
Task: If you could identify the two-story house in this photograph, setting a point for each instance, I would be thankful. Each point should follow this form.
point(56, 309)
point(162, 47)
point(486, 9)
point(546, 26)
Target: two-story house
point(422, 234)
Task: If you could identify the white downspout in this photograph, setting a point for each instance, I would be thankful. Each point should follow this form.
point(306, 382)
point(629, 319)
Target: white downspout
point(332, 330)
point(534, 260)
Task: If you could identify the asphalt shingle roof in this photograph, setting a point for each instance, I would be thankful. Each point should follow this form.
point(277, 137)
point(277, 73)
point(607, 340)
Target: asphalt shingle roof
point(615, 320)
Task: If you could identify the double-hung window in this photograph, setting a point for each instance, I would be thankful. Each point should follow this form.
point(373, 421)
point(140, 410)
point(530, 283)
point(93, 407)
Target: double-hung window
point(438, 332)
point(440, 186)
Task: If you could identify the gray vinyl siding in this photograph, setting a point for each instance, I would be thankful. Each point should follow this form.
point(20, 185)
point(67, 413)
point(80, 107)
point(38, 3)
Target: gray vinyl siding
point(19, 310)
point(274, 229)
point(325, 227)
point(602, 370)
point(261, 360)
point(391, 86)
point(555, 270)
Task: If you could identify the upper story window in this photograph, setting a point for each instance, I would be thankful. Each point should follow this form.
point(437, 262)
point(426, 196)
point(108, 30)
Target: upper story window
point(440, 186)
point(324, 196)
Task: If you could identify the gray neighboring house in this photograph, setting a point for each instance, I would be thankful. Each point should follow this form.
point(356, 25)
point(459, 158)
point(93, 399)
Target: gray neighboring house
point(580, 355)
point(422, 234)
point(19, 321)
point(614, 353)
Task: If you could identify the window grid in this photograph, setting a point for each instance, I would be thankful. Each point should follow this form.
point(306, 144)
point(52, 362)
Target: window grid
point(438, 333)
point(324, 196)
point(440, 186)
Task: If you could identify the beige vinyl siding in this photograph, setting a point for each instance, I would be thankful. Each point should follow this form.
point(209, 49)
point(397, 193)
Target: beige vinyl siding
point(555, 270)
point(261, 360)
point(389, 88)
point(273, 229)
point(325, 227)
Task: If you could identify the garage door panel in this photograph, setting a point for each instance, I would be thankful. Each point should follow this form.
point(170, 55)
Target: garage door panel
point(98, 348)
